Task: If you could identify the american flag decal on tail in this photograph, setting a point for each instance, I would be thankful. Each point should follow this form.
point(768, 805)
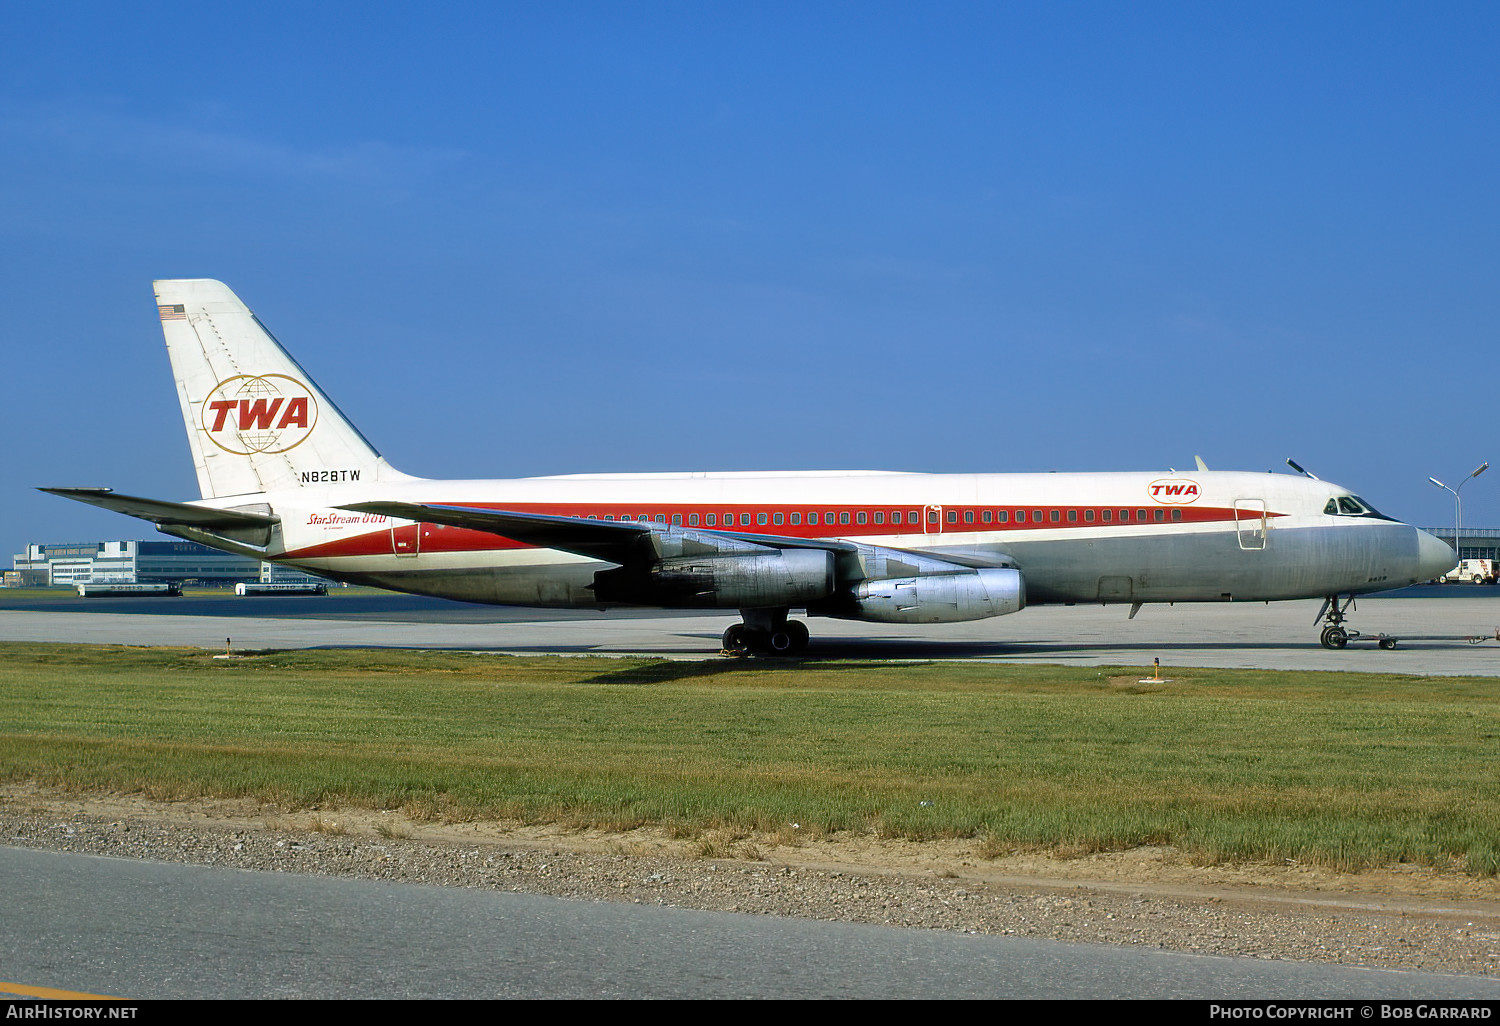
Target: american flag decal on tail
point(172, 313)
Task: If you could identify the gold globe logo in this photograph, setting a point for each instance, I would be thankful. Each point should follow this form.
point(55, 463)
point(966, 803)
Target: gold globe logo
point(259, 413)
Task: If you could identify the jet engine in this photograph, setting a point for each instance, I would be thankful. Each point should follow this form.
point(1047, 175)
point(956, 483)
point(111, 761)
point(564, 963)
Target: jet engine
point(940, 598)
point(789, 577)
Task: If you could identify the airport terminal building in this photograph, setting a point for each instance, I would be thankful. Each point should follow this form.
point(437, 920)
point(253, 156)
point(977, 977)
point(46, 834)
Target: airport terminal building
point(141, 562)
point(1477, 542)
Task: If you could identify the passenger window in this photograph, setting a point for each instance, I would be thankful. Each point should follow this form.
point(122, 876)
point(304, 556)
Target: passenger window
point(1002, 515)
point(661, 518)
point(952, 516)
point(1054, 517)
point(677, 519)
point(880, 516)
point(760, 519)
point(1020, 516)
point(710, 519)
point(812, 518)
point(776, 519)
point(844, 517)
point(1072, 516)
point(988, 516)
point(968, 516)
point(609, 516)
point(796, 519)
point(1107, 515)
point(1088, 516)
point(828, 517)
point(1159, 514)
point(692, 520)
point(1036, 515)
point(1140, 514)
point(744, 519)
point(859, 517)
point(1177, 514)
point(932, 516)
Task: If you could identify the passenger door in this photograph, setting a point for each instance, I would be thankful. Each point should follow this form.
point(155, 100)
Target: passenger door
point(1250, 523)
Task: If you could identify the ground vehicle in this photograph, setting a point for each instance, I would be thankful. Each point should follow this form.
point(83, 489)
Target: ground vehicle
point(1477, 571)
point(280, 589)
point(171, 588)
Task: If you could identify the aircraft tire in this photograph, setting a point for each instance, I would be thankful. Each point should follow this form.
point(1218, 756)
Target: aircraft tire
point(1334, 637)
point(736, 638)
point(800, 636)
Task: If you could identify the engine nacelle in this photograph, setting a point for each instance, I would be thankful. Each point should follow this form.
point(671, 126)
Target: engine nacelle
point(940, 598)
point(790, 577)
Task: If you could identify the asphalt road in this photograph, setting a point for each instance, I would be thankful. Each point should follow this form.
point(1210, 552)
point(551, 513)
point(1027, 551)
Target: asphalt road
point(149, 930)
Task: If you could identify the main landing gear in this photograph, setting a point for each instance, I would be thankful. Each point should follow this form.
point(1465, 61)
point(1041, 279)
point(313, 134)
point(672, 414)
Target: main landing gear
point(1335, 635)
point(766, 632)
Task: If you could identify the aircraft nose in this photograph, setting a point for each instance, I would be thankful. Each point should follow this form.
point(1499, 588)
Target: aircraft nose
point(1435, 557)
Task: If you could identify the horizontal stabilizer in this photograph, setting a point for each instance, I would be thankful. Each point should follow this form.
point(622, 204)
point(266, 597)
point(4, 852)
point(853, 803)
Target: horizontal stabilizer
point(196, 523)
point(160, 512)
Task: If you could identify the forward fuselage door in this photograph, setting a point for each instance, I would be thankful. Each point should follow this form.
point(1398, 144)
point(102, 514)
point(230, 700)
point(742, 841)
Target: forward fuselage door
point(1250, 523)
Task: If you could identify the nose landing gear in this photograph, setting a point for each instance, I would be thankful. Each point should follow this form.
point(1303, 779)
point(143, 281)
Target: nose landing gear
point(1335, 635)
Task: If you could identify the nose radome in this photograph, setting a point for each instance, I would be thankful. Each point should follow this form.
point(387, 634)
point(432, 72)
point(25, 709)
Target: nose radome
point(1435, 557)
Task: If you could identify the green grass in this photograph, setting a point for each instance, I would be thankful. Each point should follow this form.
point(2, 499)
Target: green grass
point(1343, 769)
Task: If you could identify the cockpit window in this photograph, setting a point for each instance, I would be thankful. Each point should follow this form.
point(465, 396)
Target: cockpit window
point(1370, 511)
point(1352, 506)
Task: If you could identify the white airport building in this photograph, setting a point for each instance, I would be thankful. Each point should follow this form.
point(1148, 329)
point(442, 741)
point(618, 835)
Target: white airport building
point(141, 562)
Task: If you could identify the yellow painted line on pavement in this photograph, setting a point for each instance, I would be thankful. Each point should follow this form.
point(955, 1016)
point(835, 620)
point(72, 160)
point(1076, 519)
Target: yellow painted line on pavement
point(8, 989)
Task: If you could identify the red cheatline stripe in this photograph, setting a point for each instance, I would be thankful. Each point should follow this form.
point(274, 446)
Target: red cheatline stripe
point(438, 538)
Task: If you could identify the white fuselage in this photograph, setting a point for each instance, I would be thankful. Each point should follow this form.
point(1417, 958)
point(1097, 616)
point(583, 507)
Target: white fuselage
point(1109, 537)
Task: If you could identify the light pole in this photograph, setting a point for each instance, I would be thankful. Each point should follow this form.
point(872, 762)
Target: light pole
point(1458, 505)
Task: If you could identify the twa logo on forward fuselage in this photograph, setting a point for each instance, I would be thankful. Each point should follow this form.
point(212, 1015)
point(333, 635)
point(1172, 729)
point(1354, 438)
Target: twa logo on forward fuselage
point(250, 414)
point(1178, 490)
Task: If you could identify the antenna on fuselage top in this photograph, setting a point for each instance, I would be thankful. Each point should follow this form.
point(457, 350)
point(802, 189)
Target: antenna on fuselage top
point(1293, 464)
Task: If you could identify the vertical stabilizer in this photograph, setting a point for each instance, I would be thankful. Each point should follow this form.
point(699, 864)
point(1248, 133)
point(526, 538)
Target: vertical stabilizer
point(255, 420)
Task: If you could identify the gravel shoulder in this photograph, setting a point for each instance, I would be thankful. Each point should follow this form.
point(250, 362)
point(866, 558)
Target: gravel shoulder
point(1397, 918)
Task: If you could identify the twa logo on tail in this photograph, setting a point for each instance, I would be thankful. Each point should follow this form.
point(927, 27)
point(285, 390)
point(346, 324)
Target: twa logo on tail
point(1177, 490)
point(249, 414)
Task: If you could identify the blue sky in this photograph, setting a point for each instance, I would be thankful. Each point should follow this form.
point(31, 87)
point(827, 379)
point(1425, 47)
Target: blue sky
point(515, 239)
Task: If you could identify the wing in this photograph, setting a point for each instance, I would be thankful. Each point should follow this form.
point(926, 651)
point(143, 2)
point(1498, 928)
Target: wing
point(628, 542)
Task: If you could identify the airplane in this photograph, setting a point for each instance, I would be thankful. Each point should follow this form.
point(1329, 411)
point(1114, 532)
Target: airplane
point(286, 477)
